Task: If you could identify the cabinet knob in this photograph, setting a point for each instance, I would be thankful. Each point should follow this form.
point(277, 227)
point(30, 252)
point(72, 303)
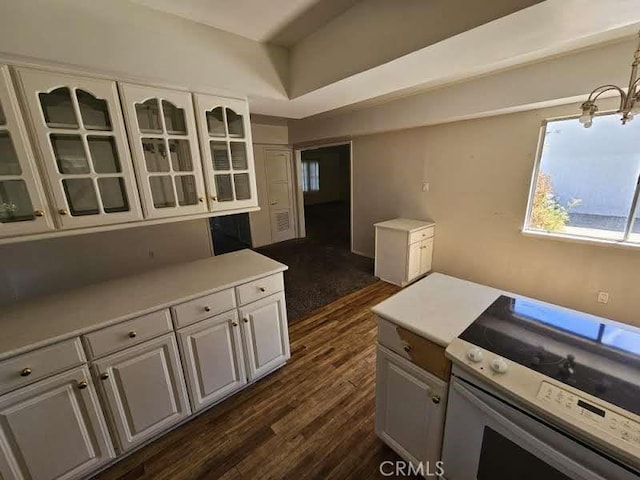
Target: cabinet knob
point(436, 399)
point(104, 376)
point(39, 213)
point(262, 289)
point(25, 372)
point(207, 308)
point(235, 324)
point(215, 199)
point(407, 348)
point(245, 320)
point(63, 211)
point(201, 199)
point(82, 385)
point(133, 334)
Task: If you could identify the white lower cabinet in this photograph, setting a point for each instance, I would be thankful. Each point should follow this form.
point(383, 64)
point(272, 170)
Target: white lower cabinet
point(213, 359)
point(144, 389)
point(60, 418)
point(266, 336)
point(410, 408)
point(53, 429)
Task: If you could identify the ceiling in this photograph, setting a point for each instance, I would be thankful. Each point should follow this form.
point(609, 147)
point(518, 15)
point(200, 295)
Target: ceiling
point(351, 53)
point(280, 22)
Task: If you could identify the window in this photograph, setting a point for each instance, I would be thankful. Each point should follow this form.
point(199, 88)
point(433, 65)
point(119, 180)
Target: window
point(586, 181)
point(310, 176)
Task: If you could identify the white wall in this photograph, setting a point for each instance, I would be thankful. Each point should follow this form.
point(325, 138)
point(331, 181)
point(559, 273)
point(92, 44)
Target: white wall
point(122, 38)
point(479, 173)
point(47, 266)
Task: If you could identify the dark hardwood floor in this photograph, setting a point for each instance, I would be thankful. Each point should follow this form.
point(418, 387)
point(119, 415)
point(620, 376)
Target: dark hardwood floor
point(312, 419)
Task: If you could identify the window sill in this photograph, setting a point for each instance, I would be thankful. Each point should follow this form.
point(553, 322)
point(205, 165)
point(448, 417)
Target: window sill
point(602, 242)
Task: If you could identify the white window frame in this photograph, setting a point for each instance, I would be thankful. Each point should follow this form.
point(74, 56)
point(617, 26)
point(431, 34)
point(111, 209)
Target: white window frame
point(624, 243)
point(308, 183)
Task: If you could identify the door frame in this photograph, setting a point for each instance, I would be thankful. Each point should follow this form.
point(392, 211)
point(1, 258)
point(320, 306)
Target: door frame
point(299, 196)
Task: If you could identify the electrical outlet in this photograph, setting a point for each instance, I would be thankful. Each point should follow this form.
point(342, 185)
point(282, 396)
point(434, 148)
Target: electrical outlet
point(603, 297)
point(425, 187)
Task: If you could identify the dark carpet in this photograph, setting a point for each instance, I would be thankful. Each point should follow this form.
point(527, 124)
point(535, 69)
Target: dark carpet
point(321, 266)
point(318, 273)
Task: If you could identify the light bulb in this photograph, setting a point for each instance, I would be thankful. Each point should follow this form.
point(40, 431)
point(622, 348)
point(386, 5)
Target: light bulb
point(585, 118)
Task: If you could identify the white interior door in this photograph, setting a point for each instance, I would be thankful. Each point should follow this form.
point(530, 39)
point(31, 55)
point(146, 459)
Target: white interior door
point(144, 388)
point(53, 429)
point(213, 358)
point(280, 194)
point(225, 141)
point(266, 335)
point(23, 207)
point(164, 143)
point(83, 148)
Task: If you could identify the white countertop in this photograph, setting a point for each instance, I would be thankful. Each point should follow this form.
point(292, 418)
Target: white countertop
point(404, 224)
point(45, 320)
point(439, 307)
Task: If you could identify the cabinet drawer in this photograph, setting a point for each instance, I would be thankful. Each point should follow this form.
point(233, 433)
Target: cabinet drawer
point(263, 287)
point(421, 234)
point(418, 350)
point(126, 334)
point(27, 368)
point(204, 307)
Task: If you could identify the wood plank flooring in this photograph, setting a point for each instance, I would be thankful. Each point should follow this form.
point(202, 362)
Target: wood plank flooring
point(312, 419)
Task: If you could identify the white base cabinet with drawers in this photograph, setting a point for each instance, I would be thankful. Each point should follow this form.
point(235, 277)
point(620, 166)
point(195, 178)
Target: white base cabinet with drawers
point(404, 249)
point(61, 415)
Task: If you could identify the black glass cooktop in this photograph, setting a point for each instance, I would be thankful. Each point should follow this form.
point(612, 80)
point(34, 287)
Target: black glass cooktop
point(594, 355)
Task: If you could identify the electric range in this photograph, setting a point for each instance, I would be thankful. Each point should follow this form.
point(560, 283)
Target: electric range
point(575, 373)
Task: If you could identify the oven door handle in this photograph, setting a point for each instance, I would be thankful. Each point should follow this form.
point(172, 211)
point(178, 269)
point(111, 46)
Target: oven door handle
point(528, 441)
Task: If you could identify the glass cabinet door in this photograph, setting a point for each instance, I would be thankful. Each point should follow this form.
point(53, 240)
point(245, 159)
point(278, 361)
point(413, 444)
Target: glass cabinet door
point(163, 139)
point(225, 141)
point(23, 208)
point(83, 146)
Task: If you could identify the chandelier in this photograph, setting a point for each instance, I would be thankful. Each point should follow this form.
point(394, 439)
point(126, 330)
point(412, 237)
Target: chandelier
point(629, 101)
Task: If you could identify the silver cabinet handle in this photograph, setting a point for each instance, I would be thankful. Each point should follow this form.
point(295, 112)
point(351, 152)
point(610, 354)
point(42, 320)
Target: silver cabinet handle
point(82, 385)
point(104, 376)
point(133, 334)
point(25, 372)
point(436, 399)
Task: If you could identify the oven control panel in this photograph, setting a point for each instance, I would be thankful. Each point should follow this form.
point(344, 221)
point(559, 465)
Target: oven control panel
point(567, 403)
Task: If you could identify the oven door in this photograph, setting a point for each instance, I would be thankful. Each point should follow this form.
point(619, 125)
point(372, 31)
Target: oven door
point(488, 439)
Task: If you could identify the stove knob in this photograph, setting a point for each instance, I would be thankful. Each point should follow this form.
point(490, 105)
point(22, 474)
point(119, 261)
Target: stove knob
point(499, 365)
point(475, 355)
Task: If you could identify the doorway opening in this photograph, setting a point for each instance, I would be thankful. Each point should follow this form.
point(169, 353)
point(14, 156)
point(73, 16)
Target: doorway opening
point(230, 233)
point(325, 175)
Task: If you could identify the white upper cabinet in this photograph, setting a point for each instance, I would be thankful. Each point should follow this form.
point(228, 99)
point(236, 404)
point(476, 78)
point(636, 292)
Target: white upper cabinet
point(163, 138)
point(23, 208)
point(225, 141)
point(82, 144)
